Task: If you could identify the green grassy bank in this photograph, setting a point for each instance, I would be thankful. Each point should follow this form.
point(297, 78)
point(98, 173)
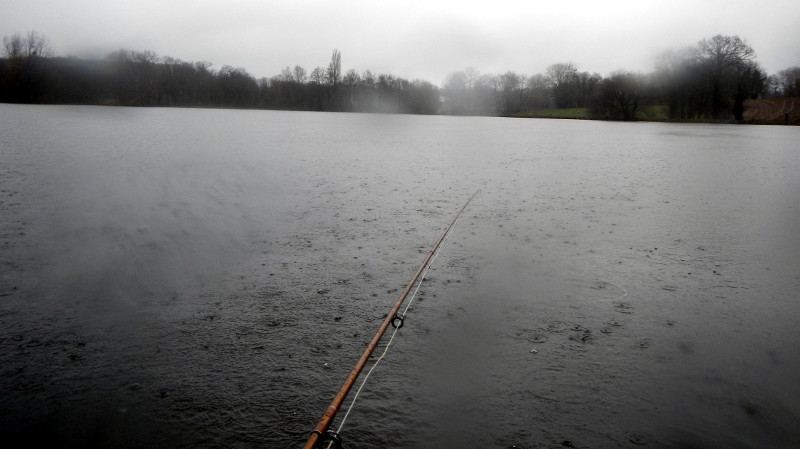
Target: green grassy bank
point(655, 113)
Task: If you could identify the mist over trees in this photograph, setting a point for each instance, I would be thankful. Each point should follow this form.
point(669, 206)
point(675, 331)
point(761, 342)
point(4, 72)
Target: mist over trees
point(709, 81)
point(712, 79)
point(785, 84)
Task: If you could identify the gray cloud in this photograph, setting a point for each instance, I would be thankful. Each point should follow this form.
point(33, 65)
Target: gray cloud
point(411, 39)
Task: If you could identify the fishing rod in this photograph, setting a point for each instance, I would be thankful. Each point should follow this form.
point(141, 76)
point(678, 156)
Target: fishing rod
point(395, 319)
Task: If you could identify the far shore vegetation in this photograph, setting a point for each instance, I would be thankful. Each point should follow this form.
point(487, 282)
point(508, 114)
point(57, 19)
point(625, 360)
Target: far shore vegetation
point(717, 80)
point(566, 113)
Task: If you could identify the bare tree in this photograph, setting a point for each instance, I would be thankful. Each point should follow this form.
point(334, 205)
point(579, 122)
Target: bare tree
point(238, 88)
point(352, 78)
point(586, 84)
point(318, 75)
point(471, 75)
point(787, 82)
point(722, 52)
point(37, 45)
point(537, 92)
point(317, 89)
point(286, 75)
point(721, 57)
point(750, 81)
point(334, 72)
point(564, 77)
point(510, 86)
point(13, 45)
point(299, 74)
point(368, 79)
point(146, 57)
point(562, 73)
point(31, 44)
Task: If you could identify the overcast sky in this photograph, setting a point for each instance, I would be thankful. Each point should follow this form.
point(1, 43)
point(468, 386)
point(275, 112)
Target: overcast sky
point(408, 38)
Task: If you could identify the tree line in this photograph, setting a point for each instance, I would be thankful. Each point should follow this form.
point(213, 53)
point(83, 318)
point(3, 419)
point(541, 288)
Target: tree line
point(708, 81)
point(30, 73)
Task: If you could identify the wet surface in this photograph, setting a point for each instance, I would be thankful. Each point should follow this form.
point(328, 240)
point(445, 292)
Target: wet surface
point(193, 278)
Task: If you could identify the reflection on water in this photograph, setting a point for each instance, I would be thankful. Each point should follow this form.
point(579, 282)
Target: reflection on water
point(207, 278)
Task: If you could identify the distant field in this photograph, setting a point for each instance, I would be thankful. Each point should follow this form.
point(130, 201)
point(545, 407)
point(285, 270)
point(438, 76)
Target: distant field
point(571, 113)
point(772, 110)
point(757, 111)
point(653, 113)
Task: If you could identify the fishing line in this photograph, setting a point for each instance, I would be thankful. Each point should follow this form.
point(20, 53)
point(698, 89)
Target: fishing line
point(393, 318)
point(386, 349)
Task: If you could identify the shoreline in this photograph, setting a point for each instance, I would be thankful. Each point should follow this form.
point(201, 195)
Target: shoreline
point(558, 114)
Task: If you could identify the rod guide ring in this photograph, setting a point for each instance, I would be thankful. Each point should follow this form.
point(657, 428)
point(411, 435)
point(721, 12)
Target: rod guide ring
point(397, 321)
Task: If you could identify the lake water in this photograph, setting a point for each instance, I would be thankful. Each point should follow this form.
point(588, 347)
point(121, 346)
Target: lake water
point(208, 278)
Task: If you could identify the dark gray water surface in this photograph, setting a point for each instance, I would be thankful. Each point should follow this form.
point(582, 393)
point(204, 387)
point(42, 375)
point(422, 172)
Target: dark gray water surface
point(207, 278)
